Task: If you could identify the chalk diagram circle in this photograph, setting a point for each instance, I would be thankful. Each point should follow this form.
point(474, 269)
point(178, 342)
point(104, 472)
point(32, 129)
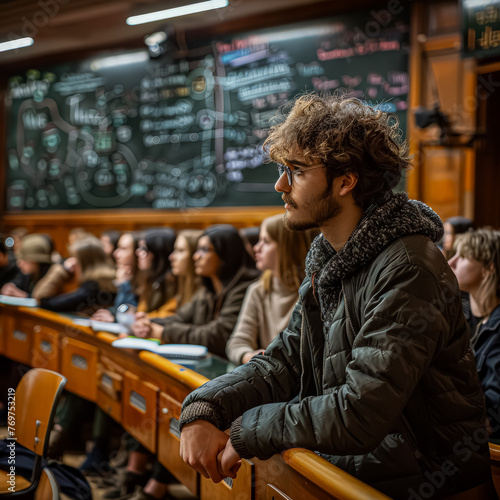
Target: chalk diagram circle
point(200, 83)
point(201, 188)
point(124, 191)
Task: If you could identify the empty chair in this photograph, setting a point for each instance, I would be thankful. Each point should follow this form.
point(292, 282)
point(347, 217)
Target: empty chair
point(36, 399)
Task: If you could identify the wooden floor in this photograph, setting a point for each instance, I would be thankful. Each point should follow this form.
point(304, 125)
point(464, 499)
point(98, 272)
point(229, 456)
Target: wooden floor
point(176, 491)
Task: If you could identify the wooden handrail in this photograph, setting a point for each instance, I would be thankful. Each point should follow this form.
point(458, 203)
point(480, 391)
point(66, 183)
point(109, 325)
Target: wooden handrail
point(494, 451)
point(331, 479)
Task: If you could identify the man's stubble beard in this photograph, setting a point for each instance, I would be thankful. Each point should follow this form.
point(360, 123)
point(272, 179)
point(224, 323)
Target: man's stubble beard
point(323, 209)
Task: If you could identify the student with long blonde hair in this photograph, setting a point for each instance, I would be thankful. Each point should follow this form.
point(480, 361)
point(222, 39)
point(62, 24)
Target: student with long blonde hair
point(280, 254)
point(477, 267)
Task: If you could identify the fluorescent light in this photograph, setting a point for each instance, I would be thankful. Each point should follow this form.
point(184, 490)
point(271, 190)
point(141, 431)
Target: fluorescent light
point(474, 4)
point(16, 44)
point(112, 61)
point(176, 12)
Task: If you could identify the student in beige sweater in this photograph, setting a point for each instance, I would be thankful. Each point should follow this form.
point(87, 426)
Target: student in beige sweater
point(280, 254)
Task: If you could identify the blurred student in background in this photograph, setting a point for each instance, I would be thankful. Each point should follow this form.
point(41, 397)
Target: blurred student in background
point(182, 268)
point(220, 260)
point(126, 272)
point(95, 281)
point(452, 228)
point(34, 261)
point(109, 240)
point(280, 254)
point(477, 267)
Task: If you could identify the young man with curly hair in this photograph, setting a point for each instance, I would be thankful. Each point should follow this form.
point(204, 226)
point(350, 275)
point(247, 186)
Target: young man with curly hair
point(374, 371)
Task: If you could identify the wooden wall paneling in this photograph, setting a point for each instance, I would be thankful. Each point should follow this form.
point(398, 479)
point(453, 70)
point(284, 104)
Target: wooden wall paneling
point(442, 179)
point(442, 171)
point(59, 224)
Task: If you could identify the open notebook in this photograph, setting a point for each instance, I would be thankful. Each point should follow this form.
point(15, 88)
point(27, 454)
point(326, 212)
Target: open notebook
point(18, 301)
point(172, 351)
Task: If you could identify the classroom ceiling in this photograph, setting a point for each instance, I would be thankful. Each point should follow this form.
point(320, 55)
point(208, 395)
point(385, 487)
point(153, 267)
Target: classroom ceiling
point(60, 26)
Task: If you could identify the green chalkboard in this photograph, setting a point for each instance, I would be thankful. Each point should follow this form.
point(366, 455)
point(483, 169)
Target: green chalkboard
point(185, 130)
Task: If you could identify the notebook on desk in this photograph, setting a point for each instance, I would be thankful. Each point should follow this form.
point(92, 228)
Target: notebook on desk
point(103, 326)
point(171, 351)
point(18, 301)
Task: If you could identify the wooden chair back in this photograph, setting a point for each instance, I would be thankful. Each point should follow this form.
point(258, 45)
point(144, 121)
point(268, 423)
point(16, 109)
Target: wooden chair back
point(47, 488)
point(36, 400)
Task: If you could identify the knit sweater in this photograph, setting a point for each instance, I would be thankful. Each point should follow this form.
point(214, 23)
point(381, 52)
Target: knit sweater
point(263, 316)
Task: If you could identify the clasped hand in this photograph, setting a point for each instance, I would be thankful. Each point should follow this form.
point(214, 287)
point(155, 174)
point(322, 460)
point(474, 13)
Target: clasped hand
point(209, 451)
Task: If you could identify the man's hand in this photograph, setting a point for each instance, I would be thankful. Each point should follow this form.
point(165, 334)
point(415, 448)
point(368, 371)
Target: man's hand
point(142, 325)
point(249, 355)
point(228, 461)
point(12, 290)
point(103, 315)
point(201, 443)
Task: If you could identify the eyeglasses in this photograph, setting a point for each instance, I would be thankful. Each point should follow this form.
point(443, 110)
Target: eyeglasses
point(290, 173)
point(142, 248)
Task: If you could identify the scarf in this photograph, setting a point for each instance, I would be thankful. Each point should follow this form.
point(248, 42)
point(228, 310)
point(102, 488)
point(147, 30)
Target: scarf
point(392, 217)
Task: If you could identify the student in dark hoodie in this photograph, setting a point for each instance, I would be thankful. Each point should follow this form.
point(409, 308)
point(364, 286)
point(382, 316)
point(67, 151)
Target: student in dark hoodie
point(476, 265)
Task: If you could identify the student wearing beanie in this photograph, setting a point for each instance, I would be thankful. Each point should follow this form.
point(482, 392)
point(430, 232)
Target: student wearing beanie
point(33, 260)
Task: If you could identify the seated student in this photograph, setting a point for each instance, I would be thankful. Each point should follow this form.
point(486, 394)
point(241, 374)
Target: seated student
point(8, 266)
point(34, 261)
point(95, 278)
point(182, 268)
point(476, 265)
point(207, 320)
point(280, 254)
point(374, 370)
point(126, 271)
point(182, 264)
point(454, 226)
point(210, 317)
point(155, 286)
point(109, 240)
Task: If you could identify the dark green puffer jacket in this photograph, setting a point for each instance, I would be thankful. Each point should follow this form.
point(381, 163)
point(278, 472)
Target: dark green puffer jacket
point(385, 387)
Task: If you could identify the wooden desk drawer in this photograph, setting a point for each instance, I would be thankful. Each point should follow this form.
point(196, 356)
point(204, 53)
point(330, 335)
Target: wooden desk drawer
point(168, 443)
point(19, 340)
point(79, 366)
point(109, 392)
point(46, 348)
point(229, 489)
point(139, 402)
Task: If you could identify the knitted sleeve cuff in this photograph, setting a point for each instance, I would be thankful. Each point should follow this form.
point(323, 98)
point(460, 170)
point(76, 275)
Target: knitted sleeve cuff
point(235, 437)
point(200, 410)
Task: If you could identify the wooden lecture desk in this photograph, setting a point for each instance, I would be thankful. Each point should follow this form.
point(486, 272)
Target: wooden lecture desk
point(144, 391)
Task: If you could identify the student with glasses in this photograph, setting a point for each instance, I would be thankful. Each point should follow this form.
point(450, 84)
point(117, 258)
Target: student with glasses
point(374, 371)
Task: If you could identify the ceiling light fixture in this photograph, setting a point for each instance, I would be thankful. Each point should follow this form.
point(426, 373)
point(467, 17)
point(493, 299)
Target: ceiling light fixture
point(176, 12)
point(16, 44)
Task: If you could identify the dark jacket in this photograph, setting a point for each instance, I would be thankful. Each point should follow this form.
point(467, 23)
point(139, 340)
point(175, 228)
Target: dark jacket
point(124, 295)
point(86, 299)
point(8, 272)
point(486, 345)
point(208, 319)
point(386, 382)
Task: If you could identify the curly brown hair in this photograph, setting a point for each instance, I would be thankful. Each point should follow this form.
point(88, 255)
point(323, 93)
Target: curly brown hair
point(346, 135)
